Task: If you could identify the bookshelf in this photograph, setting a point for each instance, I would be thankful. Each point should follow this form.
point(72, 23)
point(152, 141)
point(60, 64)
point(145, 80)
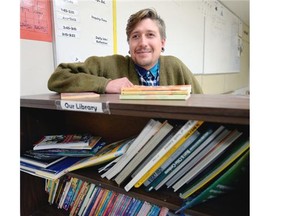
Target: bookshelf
point(116, 119)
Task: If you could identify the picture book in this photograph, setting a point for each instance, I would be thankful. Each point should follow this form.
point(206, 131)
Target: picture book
point(67, 141)
point(41, 160)
point(107, 153)
point(56, 152)
point(78, 95)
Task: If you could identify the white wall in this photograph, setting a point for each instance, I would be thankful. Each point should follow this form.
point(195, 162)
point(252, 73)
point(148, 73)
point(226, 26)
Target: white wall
point(36, 66)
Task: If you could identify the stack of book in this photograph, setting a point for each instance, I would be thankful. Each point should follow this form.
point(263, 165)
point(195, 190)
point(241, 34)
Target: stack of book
point(55, 155)
point(170, 92)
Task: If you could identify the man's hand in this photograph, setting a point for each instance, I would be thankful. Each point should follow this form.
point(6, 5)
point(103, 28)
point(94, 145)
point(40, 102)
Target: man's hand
point(114, 86)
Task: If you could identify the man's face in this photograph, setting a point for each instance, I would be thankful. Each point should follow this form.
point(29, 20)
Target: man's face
point(145, 44)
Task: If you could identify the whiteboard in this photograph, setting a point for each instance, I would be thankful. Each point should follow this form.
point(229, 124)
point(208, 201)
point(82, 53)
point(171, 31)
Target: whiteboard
point(82, 29)
point(222, 41)
point(184, 28)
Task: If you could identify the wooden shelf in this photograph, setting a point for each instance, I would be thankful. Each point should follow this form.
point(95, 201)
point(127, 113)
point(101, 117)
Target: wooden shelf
point(118, 119)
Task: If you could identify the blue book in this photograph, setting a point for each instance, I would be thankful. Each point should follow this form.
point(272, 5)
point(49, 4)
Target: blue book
point(57, 170)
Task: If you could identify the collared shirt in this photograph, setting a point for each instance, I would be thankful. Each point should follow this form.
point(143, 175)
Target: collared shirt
point(148, 77)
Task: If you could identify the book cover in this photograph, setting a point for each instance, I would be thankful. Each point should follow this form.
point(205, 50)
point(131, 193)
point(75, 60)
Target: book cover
point(78, 187)
point(179, 137)
point(41, 160)
point(164, 176)
point(67, 141)
point(57, 170)
point(153, 97)
point(78, 95)
point(108, 153)
point(225, 183)
point(70, 152)
point(80, 198)
point(208, 158)
point(143, 152)
point(147, 132)
point(64, 194)
point(150, 92)
point(212, 173)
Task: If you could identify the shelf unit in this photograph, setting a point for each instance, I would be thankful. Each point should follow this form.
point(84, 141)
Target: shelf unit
point(115, 119)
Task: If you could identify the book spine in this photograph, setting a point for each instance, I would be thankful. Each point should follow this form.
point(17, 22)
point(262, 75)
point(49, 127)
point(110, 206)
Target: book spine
point(169, 153)
point(164, 176)
point(187, 126)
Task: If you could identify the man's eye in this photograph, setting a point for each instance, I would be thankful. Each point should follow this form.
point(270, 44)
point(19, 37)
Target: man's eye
point(150, 35)
point(135, 36)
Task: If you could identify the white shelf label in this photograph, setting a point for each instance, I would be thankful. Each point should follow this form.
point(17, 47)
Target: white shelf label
point(81, 106)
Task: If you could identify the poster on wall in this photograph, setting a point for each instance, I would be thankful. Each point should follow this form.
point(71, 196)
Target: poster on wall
point(35, 20)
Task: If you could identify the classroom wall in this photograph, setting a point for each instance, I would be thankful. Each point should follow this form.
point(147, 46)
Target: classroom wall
point(37, 64)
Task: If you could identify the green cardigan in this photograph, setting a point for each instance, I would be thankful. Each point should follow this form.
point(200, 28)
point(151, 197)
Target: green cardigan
point(95, 73)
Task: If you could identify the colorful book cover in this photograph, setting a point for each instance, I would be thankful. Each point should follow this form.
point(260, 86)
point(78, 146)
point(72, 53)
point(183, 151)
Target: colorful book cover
point(157, 88)
point(97, 201)
point(67, 141)
point(70, 194)
point(70, 152)
point(107, 153)
point(92, 200)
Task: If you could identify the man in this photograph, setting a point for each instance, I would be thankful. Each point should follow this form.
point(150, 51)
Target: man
point(146, 36)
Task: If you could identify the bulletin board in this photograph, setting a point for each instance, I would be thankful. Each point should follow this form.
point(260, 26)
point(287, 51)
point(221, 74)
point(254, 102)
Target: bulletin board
point(203, 34)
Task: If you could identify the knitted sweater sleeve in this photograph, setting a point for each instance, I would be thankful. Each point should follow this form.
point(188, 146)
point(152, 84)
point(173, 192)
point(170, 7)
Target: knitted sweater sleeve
point(91, 75)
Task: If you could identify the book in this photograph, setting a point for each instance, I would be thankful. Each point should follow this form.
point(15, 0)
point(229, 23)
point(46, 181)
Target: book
point(147, 132)
point(70, 193)
point(143, 152)
point(161, 179)
point(79, 199)
point(212, 173)
point(41, 160)
point(156, 92)
point(86, 198)
point(67, 141)
point(78, 95)
point(64, 194)
point(175, 155)
point(175, 129)
point(97, 201)
point(157, 88)
point(70, 152)
point(176, 138)
point(108, 153)
point(54, 171)
point(208, 158)
point(225, 183)
point(154, 97)
point(197, 154)
point(170, 152)
point(91, 201)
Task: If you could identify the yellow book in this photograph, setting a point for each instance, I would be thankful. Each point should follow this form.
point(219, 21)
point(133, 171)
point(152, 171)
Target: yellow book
point(168, 154)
